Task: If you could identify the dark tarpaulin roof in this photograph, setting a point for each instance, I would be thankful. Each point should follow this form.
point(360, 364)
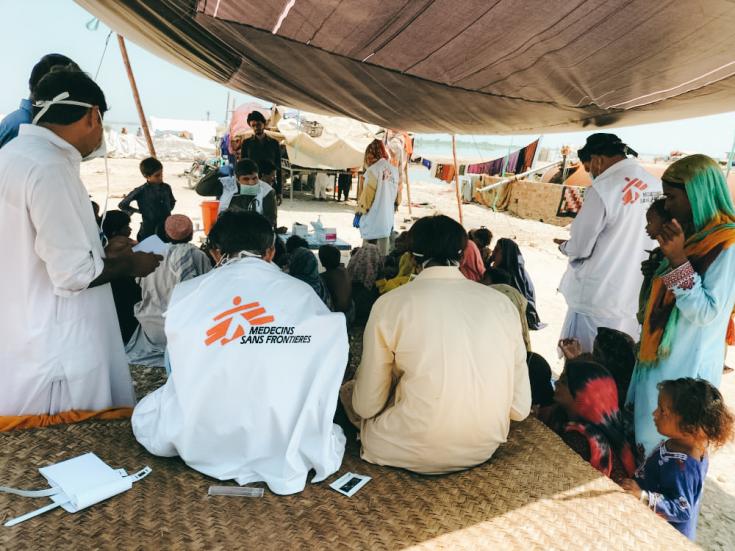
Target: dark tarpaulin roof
point(460, 66)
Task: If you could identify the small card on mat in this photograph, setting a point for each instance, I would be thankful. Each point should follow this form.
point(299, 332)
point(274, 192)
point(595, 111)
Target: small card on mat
point(349, 483)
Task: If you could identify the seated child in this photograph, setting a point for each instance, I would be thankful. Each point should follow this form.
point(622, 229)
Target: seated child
point(591, 422)
point(482, 238)
point(336, 280)
point(365, 264)
point(656, 216)
point(613, 349)
point(125, 291)
point(693, 415)
point(155, 198)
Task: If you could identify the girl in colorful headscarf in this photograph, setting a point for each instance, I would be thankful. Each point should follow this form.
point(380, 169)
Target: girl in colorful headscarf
point(587, 392)
point(688, 313)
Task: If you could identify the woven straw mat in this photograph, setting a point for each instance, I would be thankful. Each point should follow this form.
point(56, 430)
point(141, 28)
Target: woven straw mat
point(535, 493)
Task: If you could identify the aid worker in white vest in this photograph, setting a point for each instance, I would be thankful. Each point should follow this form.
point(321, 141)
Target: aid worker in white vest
point(242, 191)
point(376, 205)
point(61, 346)
point(608, 243)
point(257, 360)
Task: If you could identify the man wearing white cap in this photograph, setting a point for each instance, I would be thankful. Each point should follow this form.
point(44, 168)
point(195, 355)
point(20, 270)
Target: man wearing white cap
point(182, 261)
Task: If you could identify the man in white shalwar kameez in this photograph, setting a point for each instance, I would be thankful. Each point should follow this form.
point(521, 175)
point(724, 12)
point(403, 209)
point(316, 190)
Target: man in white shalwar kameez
point(61, 346)
point(257, 360)
point(608, 243)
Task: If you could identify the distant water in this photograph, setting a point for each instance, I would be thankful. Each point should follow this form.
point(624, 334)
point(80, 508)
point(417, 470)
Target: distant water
point(467, 151)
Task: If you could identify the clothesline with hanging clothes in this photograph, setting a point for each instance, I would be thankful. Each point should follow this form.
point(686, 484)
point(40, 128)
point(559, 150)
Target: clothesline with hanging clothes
point(514, 162)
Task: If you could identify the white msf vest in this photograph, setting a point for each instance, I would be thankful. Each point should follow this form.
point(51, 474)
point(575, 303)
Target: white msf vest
point(607, 283)
point(257, 361)
point(377, 223)
point(230, 188)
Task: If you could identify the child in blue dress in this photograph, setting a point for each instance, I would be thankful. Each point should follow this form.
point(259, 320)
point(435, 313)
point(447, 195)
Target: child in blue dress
point(692, 414)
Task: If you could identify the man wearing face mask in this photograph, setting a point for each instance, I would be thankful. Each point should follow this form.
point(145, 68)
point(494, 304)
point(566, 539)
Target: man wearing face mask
point(243, 191)
point(608, 243)
point(61, 348)
point(256, 363)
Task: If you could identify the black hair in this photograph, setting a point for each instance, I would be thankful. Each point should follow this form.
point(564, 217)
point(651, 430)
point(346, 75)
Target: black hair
point(245, 167)
point(80, 87)
point(700, 405)
point(149, 166)
point(482, 236)
point(329, 256)
point(584, 155)
point(266, 167)
point(236, 231)
point(658, 207)
point(114, 221)
point(44, 67)
point(255, 116)
point(280, 259)
point(294, 242)
point(496, 276)
point(439, 238)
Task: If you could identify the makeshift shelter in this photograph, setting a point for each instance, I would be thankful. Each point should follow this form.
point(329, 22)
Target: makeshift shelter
point(466, 66)
point(325, 142)
point(202, 133)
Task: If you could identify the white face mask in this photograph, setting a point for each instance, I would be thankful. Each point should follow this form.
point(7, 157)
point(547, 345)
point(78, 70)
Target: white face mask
point(251, 191)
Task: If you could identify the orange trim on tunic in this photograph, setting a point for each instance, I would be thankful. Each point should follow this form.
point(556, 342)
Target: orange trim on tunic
point(13, 422)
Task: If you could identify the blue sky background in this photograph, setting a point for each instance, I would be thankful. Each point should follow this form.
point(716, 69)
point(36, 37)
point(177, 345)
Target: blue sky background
point(33, 28)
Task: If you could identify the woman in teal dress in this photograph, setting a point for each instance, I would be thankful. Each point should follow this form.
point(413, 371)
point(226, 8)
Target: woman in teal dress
point(688, 314)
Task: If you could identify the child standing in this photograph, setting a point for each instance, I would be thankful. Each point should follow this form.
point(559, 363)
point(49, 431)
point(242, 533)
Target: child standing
point(155, 198)
point(692, 414)
point(656, 217)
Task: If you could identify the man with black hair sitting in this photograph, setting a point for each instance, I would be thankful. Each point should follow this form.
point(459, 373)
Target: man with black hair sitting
point(256, 363)
point(61, 347)
point(429, 394)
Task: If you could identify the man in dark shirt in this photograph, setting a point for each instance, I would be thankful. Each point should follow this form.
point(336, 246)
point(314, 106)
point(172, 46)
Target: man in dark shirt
point(260, 147)
point(155, 198)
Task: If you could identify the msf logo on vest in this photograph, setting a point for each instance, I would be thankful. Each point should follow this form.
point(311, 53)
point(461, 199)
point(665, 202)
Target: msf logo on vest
point(633, 190)
point(228, 325)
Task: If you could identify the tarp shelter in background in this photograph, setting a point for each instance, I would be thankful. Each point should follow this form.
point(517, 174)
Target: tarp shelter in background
point(202, 133)
point(168, 147)
point(325, 142)
point(456, 66)
point(239, 121)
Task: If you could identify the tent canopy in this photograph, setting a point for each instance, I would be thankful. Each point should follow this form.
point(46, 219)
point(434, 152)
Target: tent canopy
point(464, 66)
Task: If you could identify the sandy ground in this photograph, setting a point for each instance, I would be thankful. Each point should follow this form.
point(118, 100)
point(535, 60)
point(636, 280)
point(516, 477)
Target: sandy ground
point(545, 264)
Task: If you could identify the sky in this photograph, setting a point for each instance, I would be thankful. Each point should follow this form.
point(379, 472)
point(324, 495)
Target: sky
point(169, 91)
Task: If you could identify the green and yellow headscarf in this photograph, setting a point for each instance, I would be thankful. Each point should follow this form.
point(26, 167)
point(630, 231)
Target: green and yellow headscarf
point(713, 216)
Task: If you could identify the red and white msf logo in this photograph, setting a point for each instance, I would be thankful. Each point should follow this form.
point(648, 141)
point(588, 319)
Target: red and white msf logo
point(632, 190)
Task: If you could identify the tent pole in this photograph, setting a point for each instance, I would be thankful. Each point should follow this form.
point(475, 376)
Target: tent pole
point(408, 189)
point(456, 177)
point(136, 96)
